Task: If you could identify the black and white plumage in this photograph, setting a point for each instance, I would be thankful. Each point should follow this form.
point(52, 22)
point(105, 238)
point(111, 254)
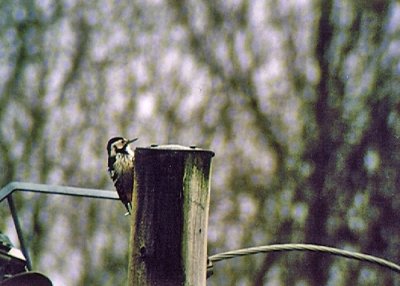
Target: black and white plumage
point(121, 160)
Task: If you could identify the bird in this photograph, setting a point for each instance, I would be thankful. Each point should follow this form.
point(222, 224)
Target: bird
point(121, 168)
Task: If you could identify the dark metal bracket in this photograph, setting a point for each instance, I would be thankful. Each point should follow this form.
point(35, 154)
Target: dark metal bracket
point(7, 191)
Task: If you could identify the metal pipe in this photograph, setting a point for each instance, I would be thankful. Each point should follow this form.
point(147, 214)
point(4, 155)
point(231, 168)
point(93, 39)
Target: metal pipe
point(7, 191)
point(20, 235)
point(57, 190)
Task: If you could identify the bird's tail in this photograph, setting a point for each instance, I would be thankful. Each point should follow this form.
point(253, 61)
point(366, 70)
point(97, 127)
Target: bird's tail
point(128, 208)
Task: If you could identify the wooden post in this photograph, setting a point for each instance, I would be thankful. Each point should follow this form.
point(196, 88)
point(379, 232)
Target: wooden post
point(168, 241)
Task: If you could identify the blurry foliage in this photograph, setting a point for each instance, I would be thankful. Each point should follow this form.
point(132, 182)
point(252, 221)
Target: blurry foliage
point(298, 99)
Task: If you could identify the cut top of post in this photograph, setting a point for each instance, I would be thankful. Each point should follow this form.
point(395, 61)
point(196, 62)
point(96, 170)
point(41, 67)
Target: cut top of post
point(175, 147)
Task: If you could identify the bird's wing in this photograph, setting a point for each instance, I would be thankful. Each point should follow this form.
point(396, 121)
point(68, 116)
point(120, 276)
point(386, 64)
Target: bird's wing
point(124, 186)
point(110, 169)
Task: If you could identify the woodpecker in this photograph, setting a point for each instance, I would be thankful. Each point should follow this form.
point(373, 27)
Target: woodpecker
point(121, 160)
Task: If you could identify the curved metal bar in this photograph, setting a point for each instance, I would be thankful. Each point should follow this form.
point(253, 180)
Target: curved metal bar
point(7, 191)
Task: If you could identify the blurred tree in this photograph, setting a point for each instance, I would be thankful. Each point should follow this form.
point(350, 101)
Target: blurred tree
point(299, 100)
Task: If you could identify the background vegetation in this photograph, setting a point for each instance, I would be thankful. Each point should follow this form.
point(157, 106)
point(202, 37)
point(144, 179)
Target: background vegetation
point(298, 99)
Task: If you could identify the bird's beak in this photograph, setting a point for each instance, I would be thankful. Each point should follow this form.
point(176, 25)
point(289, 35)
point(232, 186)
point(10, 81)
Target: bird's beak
point(131, 141)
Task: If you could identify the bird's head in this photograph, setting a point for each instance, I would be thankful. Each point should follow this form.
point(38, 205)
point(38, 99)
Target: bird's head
point(119, 145)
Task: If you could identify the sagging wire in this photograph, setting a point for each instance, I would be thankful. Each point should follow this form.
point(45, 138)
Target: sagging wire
point(300, 247)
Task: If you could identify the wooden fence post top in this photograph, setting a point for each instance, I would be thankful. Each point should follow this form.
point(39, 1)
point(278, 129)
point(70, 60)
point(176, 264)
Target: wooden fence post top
point(170, 202)
point(174, 147)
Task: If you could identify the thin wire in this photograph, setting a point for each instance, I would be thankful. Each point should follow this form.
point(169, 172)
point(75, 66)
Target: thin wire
point(305, 247)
